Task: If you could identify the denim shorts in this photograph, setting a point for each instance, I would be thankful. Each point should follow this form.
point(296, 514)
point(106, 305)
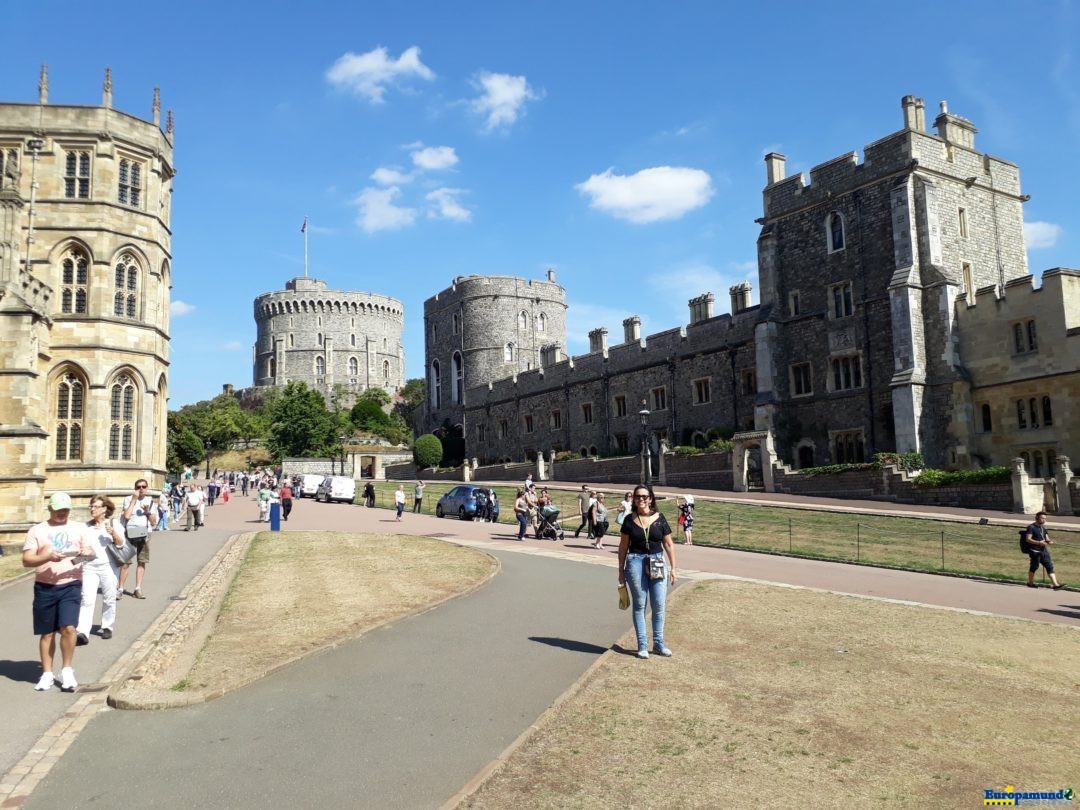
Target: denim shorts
point(56, 606)
point(1040, 557)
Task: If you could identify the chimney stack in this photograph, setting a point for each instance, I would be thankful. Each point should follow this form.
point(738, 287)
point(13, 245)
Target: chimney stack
point(954, 129)
point(740, 297)
point(701, 308)
point(910, 116)
point(632, 329)
point(551, 274)
point(598, 340)
point(774, 167)
point(550, 354)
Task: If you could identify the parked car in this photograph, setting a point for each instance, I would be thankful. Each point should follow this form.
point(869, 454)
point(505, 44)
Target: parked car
point(336, 488)
point(309, 485)
point(463, 502)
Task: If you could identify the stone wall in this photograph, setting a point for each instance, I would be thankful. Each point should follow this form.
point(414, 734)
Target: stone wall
point(622, 470)
point(703, 471)
point(504, 472)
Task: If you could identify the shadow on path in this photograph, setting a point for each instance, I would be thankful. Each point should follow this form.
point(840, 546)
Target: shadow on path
point(1070, 611)
point(26, 671)
point(570, 644)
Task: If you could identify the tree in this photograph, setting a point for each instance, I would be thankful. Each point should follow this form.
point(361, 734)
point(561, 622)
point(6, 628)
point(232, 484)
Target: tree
point(376, 395)
point(300, 424)
point(183, 442)
point(368, 415)
point(428, 450)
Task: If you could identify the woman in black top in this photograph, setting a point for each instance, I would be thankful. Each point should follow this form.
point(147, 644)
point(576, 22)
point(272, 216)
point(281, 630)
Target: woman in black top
point(645, 538)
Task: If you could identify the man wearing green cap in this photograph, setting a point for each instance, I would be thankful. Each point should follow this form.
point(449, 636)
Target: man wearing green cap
point(56, 549)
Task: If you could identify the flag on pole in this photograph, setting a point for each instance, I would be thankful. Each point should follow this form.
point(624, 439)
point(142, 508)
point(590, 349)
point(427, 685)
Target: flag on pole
point(303, 228)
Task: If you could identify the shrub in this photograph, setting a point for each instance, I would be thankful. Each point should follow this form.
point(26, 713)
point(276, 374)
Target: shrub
point(835, 469)
point(719, 446)
point(905, 461)
point(686, 450)
point(567, 455)
point(428, 450)
point(945, 478)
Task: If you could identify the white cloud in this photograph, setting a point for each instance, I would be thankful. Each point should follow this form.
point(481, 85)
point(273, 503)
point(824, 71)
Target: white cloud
point(650, 195)
point(434, 158)
point(1041, 234)
point(446, 205)
point(369, 74)
point(233, 346)
point(385, 176)
point(379, 213)
point(180, 308)
point(502, 98)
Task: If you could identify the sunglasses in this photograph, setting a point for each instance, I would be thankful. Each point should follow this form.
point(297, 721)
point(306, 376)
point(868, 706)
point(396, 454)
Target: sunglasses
point(641, 497)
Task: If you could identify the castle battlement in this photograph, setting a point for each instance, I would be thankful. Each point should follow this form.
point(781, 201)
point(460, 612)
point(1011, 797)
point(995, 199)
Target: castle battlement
point(467, 287)
point(1056, 301)
point(309, 296)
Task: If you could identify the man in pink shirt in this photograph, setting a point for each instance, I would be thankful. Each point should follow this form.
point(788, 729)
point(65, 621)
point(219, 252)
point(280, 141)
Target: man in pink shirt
point(56, 549)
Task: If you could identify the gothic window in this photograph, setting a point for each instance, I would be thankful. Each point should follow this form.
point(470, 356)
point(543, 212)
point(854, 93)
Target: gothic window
point(77, 175)
point(352, 340)
point(456, 321)
point(386, 369)
point(1032, 343)
point(481, 432)
point(436, 385)
point(129, 190)
point(848, 447)
point(802, 383)
point(987, 422)
point(962, 221)
point(702, 391)
point(794, 303)
point(841, 301)
point(125, 298)
point(556, 420)
point(749, 381)
point(504, 428)
point(523, 320)
point(659, 399)
point(291, 340)
point(1033, 413)
point(969, 283)
point(847, 373)
point(70, 395)
point(1047, 412)
point(834, 227)
point(354, 367)
point(1037, 457)
point(1021, 414)
point(620, 405)
point(586, 413)
point(122, 417)
point(74, 272)
point(458, 370)
point(541, 322)
point(508, 353)
point(528, 423)
point(1024, 337)
point(320, 338)
point(320, 366)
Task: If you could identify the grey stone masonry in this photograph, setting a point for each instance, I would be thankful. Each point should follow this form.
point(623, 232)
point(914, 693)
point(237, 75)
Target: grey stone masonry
point(332, 340)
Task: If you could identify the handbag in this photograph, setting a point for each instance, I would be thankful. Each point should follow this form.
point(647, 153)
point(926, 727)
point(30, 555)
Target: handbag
point(624, 597)
point(120, 555)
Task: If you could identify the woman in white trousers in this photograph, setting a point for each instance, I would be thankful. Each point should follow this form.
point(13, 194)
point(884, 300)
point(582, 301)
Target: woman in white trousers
point(100, 571)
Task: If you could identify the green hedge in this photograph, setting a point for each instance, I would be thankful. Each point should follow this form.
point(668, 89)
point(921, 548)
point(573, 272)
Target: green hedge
point(943, 478)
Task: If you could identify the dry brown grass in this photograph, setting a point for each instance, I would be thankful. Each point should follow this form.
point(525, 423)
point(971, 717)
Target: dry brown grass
point(783, 697)
point(300, 591)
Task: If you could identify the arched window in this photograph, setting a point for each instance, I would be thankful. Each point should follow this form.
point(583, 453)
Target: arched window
point(436, 385)
point(70, 395)
point(386, 369)
point(1048, 414)
point(125, 298)
point(354, 367)
point(456, 323)
point(271, 370)
point(129, 188)
point(508, 353)
point(1033, 412)
point(122, 417)
point(523, 320)
point(320, 366)
point(834, 227)
point(457, 392)
point(987, 423)
point(1021, 414)
point(1038, 459)
point(541, 322)
point(291, 342)
point(74, 275)
point(806, 457)
point(320, 338)
point(352, 340)
point(1032, 342)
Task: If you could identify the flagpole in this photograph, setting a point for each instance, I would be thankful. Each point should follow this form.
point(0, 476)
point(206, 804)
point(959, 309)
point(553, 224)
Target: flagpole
point(305, 246)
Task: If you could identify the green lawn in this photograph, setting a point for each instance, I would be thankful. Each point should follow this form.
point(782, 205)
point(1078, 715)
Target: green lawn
point(910, 543)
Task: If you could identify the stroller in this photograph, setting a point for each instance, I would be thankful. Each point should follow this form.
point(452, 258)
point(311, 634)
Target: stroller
point(548, 528)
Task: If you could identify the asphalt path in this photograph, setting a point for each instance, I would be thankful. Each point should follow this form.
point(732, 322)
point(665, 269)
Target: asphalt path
point(176, 556)
point(401, 717)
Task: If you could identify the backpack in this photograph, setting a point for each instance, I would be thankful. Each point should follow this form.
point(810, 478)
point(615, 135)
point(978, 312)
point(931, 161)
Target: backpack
point(1024, 547)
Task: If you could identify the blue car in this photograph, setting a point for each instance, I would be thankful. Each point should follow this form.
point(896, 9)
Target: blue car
point(465, 502)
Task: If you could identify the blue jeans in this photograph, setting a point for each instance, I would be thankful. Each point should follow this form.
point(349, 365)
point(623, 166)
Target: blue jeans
point(163, 520)
point(637, 580)
point(521, 524)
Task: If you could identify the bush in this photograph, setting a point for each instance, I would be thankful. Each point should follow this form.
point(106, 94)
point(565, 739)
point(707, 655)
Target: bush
point(944, 478)
point(905, 461)
point(719, 446)
point(686, 450)
point(567, 455)
point(835, 469)
point(428, 450)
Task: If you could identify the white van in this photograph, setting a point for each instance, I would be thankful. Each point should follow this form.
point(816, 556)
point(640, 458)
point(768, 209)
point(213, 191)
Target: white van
point(336, 488)
point(309, 485)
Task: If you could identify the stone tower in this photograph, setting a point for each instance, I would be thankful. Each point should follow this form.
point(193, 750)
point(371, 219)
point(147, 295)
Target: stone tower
point(486, 328)
point(85, 252)
point(859, 273)
point(336, 342)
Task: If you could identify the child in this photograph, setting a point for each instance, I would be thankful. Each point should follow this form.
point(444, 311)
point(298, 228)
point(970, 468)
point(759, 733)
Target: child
point(686, 516)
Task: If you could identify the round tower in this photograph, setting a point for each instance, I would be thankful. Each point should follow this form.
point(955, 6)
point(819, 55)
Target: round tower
point(486, 328)
point(332, 340)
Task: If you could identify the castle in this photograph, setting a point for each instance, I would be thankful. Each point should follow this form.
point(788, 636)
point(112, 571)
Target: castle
point(338, 343)
point(896, 313)
point(84, 301)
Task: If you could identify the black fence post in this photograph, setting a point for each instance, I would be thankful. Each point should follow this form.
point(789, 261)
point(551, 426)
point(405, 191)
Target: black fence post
point(789, 547)
point(729, 528)
point(858, 540)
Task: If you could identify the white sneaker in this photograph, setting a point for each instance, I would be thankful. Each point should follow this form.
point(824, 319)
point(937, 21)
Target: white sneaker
point(45, 682)
point(67, 680)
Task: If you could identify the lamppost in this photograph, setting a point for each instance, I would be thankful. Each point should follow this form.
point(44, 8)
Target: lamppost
point(646, 451)
point(34, 145)
point(341, 442)
point(249, 462)
point(208, 444)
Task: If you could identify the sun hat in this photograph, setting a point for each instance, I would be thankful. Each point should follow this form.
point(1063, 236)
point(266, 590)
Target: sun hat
point(689, 499)
point(59, 500)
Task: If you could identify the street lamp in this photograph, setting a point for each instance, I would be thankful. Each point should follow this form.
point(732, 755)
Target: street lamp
point(341, 442)
point(34, 146)
point(208, 444)
point(646, 451)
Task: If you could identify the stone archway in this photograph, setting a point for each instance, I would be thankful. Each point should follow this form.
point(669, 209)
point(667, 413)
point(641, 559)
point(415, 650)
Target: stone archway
point(743, 444)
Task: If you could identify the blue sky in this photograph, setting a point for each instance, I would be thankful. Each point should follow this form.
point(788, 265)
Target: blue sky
point(619, 142)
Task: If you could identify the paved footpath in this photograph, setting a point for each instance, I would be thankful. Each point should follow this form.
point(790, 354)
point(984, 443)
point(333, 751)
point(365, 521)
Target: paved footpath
point(405, 715)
